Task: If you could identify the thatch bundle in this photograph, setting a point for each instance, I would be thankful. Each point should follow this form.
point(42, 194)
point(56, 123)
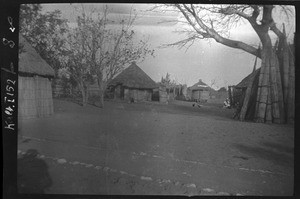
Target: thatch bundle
point(268, 93)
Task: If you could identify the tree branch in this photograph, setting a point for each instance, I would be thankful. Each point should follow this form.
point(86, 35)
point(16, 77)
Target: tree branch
point(230, 11)
point(211, 33)
point(274, 28)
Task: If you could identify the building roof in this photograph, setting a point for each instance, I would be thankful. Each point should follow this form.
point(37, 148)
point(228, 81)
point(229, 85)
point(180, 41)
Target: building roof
point(31, 62)
point(200, 85)
point(134, 77)
point(245, 82)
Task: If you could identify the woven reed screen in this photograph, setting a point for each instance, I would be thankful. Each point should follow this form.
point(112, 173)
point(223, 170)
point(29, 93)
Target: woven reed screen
point(35, 97)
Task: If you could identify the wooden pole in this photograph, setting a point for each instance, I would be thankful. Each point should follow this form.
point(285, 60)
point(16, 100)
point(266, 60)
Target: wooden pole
point(291, 88)
point(247, 99)
point(255, 62)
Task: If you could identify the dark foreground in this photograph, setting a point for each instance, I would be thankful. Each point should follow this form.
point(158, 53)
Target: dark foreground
point(155, 149)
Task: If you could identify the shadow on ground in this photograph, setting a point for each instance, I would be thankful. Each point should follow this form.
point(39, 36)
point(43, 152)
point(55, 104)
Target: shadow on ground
point(33, 176)
point(279, 148)
point(272, 152)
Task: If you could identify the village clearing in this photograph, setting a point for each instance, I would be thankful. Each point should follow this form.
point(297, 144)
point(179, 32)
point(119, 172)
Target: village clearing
point(152, 148)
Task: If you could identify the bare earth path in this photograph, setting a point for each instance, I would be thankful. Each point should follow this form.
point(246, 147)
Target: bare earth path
point(159, 149)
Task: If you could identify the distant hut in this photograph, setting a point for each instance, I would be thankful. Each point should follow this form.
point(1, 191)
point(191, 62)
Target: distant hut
point(35, 92)
point(133, 84)
point(200, 91)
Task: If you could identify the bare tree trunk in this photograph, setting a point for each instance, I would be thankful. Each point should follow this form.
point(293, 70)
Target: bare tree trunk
point(101, 92)
point(101, 98)
point(83, 95)
point(86, 95)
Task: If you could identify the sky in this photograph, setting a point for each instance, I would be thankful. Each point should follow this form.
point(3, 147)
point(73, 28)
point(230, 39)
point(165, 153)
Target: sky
point(205, 59)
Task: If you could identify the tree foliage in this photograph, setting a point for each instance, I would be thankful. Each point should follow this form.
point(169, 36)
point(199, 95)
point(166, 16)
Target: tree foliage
point(167, 81)
point(45, 32)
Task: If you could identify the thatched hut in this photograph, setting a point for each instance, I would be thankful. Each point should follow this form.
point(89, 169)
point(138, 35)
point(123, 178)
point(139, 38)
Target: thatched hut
point(133, 84)
point(35, 92)
point(200, 91)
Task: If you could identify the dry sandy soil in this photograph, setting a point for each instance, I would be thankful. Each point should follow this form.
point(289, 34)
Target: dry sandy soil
point(150, 148)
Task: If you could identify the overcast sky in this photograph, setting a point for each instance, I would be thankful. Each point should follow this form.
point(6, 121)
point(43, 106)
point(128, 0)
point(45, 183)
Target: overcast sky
point(206, 60)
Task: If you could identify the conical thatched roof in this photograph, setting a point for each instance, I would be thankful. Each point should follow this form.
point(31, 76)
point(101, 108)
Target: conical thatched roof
point(245, 82)
point(30, 62)
point(134, 77)
point(199, 86)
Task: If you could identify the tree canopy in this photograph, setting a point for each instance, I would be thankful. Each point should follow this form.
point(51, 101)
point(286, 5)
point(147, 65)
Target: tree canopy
point(45, 32)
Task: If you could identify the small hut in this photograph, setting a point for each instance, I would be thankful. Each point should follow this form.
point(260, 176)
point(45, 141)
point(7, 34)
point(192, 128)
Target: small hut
point(200, 91)
point(35, 92)
point(133, 84)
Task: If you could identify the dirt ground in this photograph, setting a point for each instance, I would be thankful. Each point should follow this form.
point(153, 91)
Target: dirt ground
point(151, 148)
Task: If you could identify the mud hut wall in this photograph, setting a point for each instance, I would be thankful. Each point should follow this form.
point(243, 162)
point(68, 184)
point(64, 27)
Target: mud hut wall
point(35, 97)
point(204, 95)
point(148, 94)
point(137, 94)
point(144, 95)
point(140, 95)
point(195, 95)
point(127, 95)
